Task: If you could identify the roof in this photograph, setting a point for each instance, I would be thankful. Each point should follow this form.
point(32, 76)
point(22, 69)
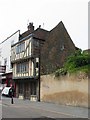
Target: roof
point(38, 33)
point(10, 36)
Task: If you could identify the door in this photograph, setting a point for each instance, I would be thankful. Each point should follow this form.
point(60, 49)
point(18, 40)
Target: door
point(33, 88)
point(27, 91)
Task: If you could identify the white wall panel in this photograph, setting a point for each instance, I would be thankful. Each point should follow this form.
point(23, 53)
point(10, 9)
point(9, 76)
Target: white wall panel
point(5, 48)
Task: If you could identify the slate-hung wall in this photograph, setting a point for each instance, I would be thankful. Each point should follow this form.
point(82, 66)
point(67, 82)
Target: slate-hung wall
point(57, 47)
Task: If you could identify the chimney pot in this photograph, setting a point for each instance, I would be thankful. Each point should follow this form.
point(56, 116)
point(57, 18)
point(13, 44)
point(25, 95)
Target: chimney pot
point(30, 27)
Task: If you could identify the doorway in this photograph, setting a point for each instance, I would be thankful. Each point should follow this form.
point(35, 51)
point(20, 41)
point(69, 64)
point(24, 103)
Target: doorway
point(26, 91)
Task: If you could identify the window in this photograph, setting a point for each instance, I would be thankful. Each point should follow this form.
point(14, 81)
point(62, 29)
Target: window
point(0, 52)
point(17, 49)
point(18, 68)
point(10, 63)
point(37, 65)
point(5, 61)
point(62, 47)
point(36, 43)
point(0, 62)
point(20, 48)
point(12, 42)
point(22, 67)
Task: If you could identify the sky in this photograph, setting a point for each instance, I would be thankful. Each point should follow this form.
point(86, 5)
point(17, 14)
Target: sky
point(16, 14)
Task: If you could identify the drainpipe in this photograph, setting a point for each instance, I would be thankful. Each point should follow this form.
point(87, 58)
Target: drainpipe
point(39, 71)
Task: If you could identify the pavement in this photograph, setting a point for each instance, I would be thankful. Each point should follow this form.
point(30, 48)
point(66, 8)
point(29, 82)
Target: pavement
point(69, 111)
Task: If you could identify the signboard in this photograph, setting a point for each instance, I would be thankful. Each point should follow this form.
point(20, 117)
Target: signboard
point(6, 91)
point(2, 69)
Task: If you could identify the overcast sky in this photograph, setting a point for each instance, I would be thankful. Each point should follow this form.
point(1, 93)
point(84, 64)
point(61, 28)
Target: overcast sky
point(16, 14)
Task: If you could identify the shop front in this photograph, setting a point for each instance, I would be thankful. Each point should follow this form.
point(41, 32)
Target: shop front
point(27, 89)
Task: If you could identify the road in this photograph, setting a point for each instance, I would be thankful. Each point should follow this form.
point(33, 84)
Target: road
point(28, 109)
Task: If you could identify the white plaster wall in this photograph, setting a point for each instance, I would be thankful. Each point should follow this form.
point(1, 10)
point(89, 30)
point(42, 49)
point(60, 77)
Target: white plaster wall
point(5, 49)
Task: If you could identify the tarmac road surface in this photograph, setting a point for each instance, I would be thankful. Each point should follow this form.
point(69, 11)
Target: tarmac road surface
point(28, 109)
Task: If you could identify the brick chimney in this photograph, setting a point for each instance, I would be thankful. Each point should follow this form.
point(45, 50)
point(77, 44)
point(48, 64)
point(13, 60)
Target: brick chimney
point(30, 27)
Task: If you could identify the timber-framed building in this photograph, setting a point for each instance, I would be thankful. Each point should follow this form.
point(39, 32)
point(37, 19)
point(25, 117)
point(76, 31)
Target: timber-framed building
point(25, 59)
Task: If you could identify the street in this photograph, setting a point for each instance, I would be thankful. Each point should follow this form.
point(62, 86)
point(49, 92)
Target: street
point(28, 109)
